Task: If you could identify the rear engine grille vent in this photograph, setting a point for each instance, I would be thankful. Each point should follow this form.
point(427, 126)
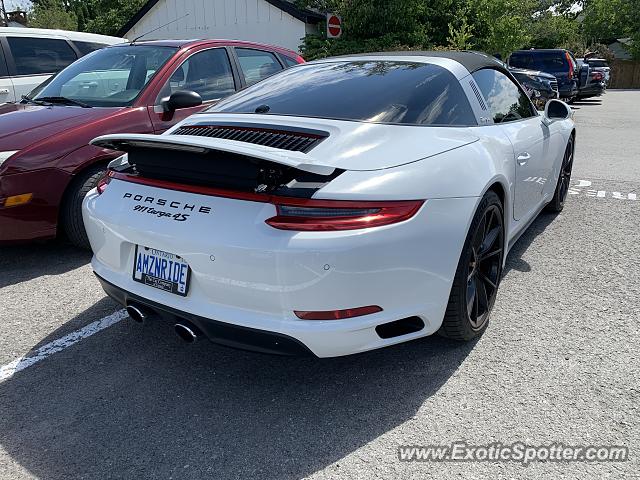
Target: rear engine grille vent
point(296, 141)
point(478, 96)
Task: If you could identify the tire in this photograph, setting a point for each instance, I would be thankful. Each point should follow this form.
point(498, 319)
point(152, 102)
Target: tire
point(564, 179)
point(467, 314)
point(71, 212)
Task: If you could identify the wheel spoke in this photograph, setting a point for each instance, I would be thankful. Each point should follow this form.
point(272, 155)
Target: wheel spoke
point(479, 236)
point(482, 298)
point(489, 240)
point(489, 255)
point(471, 299)
point(485, 278)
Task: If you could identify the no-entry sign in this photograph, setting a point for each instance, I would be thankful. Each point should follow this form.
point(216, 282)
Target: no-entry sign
point(334, 26)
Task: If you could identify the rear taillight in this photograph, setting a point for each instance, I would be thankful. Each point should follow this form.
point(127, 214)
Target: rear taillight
point(570, 64)
point(101, 186)
point(597, 76)
point(331, 215)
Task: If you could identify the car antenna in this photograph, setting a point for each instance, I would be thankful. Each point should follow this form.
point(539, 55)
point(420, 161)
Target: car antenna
point(157, 28)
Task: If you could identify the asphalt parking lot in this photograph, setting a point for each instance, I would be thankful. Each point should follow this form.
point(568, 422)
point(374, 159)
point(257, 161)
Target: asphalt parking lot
point(559, 363)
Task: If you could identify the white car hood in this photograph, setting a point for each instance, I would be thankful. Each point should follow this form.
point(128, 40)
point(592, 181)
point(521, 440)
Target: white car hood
point(350, 145)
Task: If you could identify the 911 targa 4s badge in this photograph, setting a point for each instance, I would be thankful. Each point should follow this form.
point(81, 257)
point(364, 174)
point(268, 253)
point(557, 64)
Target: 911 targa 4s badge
point(350, 204)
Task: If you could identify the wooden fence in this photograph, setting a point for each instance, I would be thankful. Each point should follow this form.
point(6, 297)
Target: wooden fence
point(625, 74)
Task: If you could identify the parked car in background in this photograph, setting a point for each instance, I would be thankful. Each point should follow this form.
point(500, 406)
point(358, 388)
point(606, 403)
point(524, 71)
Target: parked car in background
point(540, 86)
point(600, 65)
point(46, 162)
point(558, 62)
point(594, 87)
point(29, 56)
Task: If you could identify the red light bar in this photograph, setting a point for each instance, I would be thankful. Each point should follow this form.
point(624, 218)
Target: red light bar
point(338, 314)
point(332, 215)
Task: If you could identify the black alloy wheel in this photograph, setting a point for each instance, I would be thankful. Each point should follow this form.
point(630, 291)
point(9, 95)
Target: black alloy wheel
point(485, 267)
point(478, 274)
point(564, 179)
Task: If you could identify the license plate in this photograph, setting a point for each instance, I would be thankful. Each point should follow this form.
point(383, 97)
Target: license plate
point(163, 270)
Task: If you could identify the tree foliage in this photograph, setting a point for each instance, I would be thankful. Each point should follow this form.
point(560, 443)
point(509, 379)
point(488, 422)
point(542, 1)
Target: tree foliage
point(52, 15)
point(493, 26)
point(98, 16)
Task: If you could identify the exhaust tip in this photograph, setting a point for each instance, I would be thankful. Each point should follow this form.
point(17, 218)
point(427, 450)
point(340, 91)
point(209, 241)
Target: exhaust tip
point(137, 313)
point(186, 333)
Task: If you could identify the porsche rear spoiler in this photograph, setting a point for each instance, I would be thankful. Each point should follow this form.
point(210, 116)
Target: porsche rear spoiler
point(131, 141)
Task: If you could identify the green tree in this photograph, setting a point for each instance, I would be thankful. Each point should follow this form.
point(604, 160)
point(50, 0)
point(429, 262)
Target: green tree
point(108, 16)
point(502, 26)
point(606, 20)
point(460, 37)
point(51, 14)
point(493, 26)
point(552, 30)
point(98, 16)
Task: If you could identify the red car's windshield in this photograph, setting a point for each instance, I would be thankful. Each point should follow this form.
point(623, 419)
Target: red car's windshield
point(111, 77)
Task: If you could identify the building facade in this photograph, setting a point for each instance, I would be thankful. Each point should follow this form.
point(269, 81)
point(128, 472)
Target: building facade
point(275, 22)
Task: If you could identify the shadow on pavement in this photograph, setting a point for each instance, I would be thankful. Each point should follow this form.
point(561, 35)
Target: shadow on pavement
point(22, 263)
point(587, 102)
point(514, 258)
point(133, 402)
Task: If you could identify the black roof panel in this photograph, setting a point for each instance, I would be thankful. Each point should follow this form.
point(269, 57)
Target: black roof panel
point(472, 61)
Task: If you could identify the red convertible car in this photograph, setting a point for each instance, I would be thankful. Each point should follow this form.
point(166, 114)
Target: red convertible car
point(46, 163)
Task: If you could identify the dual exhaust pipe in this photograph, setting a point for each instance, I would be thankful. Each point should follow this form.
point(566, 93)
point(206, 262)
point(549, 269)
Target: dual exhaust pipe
point(186, 332)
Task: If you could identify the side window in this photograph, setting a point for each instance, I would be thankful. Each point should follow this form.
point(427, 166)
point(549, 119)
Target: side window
point(288, 61)
point(88, 47)
point(207, 73)
point(35, 56)
point(505, 100)
point(257, 64)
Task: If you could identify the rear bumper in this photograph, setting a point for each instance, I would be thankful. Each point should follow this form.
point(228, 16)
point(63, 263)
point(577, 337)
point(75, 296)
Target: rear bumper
point(226, 334)
point(248, 274)
point(592, 90)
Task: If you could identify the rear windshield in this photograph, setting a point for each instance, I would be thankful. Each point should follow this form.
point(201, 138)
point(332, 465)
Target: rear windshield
point(522, 60)
point(597, 63)
point(370, 91)
point(551, 61)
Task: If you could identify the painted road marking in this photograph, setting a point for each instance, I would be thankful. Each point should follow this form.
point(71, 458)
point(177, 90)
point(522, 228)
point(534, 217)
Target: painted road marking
point(7, 371)
point(577, 189)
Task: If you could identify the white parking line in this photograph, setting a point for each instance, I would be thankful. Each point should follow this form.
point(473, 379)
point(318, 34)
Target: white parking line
point(8, 370)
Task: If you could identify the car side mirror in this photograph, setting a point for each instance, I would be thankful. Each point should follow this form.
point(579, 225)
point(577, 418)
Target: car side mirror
point(181, 99)
point(556, 110)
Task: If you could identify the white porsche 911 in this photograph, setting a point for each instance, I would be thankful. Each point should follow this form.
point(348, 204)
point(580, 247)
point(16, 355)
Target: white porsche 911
point(339, 206)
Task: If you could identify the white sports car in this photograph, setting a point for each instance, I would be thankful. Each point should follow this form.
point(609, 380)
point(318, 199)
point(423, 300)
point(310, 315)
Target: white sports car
point(339, 206)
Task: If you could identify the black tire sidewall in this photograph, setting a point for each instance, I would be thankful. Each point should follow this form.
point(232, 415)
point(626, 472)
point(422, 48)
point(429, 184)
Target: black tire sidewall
point(71, 214)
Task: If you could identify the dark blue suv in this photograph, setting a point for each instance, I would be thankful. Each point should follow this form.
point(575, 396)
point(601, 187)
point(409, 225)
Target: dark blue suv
point(558, 62)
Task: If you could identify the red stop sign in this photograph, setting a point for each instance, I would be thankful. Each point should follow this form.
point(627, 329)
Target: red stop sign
point(334, 26)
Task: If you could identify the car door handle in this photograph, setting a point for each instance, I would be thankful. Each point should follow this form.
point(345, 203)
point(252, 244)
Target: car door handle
point(4, 91)
point(523, 158)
